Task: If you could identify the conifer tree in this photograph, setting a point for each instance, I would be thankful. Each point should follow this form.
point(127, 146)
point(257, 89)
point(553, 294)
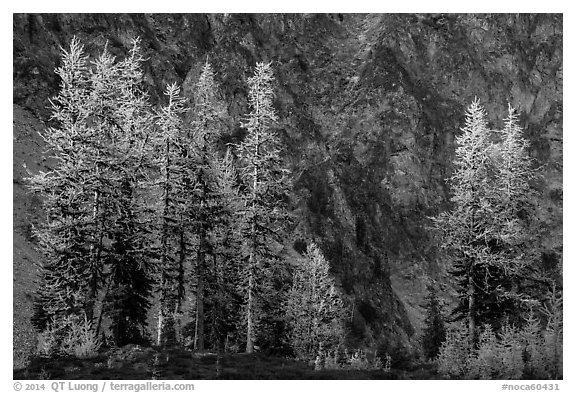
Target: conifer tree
point(171, 215)
point(265, 188)
point(314, 307)
point(509, 353)
point(454, 355)
point(514, 211)
point(465, 227)
point(553, 335)
point(222, 275)
point(484, 362)
point(205, 128)
point(483, 230)
point(66, 198)
point(99, 145)
point(129, 265)
point(515, 168)
point(434, 329)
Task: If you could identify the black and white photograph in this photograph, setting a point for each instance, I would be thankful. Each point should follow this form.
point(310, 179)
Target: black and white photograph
point(287, 196)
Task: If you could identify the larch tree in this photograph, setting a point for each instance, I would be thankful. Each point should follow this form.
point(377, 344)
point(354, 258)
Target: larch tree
point(90, 197)
point(314, 307)
point(515, 226)
point(129, 266)
point(171, 222)
point(482, 230)
point(66, 238)
point(514, 195)
point(222, 272)
point(464, 229)
point(263, 211)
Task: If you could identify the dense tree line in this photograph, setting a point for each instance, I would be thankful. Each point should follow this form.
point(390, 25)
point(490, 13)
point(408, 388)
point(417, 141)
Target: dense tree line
point(488, 238)
point(146, 213)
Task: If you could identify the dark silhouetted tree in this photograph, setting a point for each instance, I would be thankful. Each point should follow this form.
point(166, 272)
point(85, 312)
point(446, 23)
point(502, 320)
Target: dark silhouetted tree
point(434, 328)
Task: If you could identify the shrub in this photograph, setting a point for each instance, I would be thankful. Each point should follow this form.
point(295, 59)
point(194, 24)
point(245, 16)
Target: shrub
point(80, 340)
point(553, 353)
point(454, 354)
point(331, 361)
point(378, 364)
point(47, 342)
point(534, 354)
point(530, 352)
point(318, 363)
point(388, 364)
point(484, 363)
point(553, 334)
point(359, 361)
point(543, 347)
point(509, 350)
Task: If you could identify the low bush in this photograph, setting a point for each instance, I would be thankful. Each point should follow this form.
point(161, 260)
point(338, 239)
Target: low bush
point(454, 354)
point(80, 339)
point(513, 353)
point(47, 342)
point(357, 360)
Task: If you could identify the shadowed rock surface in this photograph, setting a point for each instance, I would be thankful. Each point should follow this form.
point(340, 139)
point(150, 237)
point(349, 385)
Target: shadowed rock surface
point(369, 106)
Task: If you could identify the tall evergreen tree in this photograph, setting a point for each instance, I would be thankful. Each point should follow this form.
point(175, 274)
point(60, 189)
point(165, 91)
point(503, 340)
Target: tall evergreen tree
point(129, 265)
point(464, 228)
point(66, 273)
point(171, 225)
point(265, 186)
point(222, 275)
point(482, 230)
point(89, 197)
point(206, 126)
point(515, 199)
point(314, 307)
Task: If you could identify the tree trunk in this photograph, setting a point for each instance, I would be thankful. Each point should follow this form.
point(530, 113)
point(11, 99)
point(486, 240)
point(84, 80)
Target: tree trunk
point(471, 307)
point(251, 260)
point(201, 254)
point(181, 288)
point(165, 261)
point(219, 350)
point(199, 331)
point(160, 326)
point(102, 302)
point(90, 306)
point(249, 316)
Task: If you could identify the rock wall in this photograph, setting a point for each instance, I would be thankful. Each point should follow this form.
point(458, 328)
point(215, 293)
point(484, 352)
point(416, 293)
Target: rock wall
point(369, 106)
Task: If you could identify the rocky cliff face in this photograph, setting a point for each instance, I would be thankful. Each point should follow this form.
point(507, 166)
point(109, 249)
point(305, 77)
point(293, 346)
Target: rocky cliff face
point(368, 106)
